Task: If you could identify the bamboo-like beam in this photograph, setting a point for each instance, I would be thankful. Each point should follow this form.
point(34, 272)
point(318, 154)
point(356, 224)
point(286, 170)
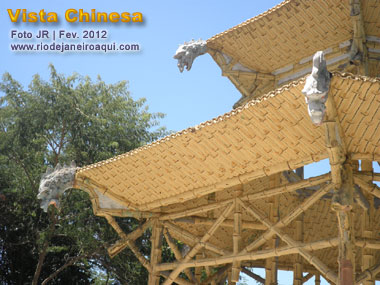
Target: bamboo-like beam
point(123, 243)
point(307, 277)
point(177, 253)
point(235, 270)
point(368, 243)
point(217, 275)
point(271, 268)
point(128, 240)
point(317, 279)
point(369, 274)
point(227, 223)
point(319, 265)
point(254, 276)
point(173, 275)
point(190, 239)
point(367, 227)
point(341, 177)
point(364, 156)
point(116, 226)
point(139, 256)
point(359, 39)
point(290, 187)
point(367, 186)
point(342, 203)
point(289, 218)
point(367, 176)
point(255, 255)
point(178, 280)
point(155, 253)
point(211, 198)
point(298, 278)
point(335, 145)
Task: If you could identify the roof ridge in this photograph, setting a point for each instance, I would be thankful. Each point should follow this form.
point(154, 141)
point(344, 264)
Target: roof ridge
point(356, 76)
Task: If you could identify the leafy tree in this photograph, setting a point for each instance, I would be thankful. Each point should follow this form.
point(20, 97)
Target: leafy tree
point(58, 121)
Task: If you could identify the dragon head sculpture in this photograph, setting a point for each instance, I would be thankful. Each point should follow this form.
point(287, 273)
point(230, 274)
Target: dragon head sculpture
point(187, 52)
point(53, 183)
point(316, 88)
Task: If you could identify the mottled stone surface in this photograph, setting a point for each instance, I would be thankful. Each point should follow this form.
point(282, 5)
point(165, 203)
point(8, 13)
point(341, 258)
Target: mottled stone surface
point(53, 183)
point(316, 88)
point(187, 52)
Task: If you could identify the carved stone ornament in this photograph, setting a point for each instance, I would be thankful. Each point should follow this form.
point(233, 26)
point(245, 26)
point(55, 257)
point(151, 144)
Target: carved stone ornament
point(53, 183)
point(187, 52)
point(316, 88)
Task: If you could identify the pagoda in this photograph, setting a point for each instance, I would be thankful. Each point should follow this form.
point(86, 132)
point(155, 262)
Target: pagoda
point(232, 190)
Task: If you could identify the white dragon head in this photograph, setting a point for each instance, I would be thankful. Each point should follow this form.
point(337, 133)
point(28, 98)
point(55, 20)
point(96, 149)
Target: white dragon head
point(187, 52)
point(316, 88)
point(54, 182)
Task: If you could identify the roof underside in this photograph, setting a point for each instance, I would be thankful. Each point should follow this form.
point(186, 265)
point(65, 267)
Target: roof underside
point(265, 136)
point(293, 30)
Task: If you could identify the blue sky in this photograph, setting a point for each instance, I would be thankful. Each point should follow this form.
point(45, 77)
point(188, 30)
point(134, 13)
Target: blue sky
point(187, 99)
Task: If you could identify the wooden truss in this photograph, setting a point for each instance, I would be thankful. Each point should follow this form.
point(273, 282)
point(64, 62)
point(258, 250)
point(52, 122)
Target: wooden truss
point(219, 263)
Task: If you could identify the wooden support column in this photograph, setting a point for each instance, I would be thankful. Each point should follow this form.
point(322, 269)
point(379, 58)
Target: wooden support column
point(298, 278)
point(271, 264)
point(235, 271)
point(229, 278)
point(156, 253)
point(198, 270)
point(366, 227)
point(317, 279)
point(342, 204)
point(298, 266)
point(210, 216)
point(359, 41)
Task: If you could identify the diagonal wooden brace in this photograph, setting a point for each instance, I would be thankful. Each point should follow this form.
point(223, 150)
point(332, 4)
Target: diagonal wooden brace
point(288, 219)
point(305, 254)
point(173, 275)
point(177, 253)
point(120, 245)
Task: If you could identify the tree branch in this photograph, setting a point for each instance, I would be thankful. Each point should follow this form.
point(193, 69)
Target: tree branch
point(42, 255)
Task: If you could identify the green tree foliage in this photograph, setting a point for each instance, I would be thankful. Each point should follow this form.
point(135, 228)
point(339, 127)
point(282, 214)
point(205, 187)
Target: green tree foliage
point(58, 121)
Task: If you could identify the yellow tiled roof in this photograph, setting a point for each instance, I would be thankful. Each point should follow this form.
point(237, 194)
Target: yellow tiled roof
point(265, 136)
point(293, 30)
